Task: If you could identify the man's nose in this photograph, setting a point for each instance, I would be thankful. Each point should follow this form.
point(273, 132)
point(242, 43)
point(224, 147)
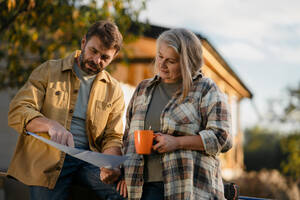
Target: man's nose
point(97, 60)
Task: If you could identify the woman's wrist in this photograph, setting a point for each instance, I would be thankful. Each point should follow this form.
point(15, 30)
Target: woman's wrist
point(179, 142)
point(189, 142)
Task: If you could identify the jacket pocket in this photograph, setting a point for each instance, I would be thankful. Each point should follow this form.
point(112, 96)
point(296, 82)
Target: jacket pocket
point(56, 97)
point(55, 104)
point(185, 112)
point(183, 118)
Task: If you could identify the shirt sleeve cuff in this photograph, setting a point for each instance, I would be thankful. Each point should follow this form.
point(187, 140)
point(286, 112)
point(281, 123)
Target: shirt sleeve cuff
point(30, 116)
point(210, 142)
point(113, 143)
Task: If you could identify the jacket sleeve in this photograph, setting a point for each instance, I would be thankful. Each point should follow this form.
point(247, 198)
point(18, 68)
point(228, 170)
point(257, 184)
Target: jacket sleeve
point(215, 113)
point(27, 103)
point(114, 128)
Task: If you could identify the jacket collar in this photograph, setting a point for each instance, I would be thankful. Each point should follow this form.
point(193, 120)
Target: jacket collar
point(68, 63)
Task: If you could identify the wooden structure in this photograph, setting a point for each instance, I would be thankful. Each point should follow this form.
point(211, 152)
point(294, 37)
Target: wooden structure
point(141, 55)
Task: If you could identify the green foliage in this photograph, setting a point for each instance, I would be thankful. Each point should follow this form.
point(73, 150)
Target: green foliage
point(262, 149)
point(33, 31)
point(290, 146)
point(266, 149)
point(292, 110)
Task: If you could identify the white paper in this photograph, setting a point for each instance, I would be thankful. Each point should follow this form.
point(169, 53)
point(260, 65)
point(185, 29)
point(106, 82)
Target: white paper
point(94, 158)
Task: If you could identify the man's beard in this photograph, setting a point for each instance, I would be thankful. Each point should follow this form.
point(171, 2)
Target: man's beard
point(83, 62)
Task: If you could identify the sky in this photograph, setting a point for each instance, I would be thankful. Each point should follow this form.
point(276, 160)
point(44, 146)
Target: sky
point(260, 40)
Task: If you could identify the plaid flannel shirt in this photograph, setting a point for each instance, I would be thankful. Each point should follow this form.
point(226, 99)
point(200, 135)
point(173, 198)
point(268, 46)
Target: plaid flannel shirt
point(187, 174)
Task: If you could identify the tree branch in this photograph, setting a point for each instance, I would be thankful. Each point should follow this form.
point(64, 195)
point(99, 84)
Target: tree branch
point(6, 23)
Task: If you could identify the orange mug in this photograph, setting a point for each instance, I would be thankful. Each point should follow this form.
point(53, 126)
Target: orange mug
point(143, 140)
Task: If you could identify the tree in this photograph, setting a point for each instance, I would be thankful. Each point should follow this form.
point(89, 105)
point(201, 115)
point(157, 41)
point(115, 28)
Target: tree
point(285, 111)
point(290, 146)
point(292, 110)
point(33, 31)
point(262, 149)
point(278, 146)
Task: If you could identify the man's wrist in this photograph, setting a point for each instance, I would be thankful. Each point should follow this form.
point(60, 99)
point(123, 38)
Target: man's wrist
point(50, 123)
point(121, 175)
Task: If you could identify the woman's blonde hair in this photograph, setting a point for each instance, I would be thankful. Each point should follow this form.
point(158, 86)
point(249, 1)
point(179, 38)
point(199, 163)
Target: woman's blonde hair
point(189, 49)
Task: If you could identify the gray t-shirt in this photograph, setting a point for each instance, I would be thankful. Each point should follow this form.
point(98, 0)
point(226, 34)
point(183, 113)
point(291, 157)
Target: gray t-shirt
point(162, 94)
point(78, 128)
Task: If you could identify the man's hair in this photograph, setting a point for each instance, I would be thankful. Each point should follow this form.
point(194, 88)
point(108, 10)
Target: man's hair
point(107, 32)
point(189, 49)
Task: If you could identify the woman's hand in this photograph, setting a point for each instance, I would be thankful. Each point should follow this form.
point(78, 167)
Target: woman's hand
point(166, 143)
point(122, 188)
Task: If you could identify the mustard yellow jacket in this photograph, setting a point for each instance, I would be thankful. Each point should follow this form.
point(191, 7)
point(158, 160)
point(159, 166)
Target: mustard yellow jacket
point(51, 91)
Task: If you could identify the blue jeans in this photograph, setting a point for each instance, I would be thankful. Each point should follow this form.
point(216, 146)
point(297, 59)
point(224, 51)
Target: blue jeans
point(81, 173)
point(153, 190)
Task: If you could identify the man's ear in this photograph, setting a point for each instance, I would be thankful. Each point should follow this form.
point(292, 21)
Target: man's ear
point(116, 53)
point(83, 42)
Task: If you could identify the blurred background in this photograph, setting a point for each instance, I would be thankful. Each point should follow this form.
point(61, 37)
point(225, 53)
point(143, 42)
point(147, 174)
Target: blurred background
point(251, 50)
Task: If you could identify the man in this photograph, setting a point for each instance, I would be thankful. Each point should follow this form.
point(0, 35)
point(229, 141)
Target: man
point(77, 103)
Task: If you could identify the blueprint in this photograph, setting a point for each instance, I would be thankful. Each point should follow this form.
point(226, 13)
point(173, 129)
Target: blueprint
point(94, 158)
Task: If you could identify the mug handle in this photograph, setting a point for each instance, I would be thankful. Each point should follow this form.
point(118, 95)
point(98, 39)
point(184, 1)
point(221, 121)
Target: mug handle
point(154, 136)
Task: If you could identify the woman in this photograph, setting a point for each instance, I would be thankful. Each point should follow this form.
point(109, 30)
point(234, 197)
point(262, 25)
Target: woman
point(191, 119)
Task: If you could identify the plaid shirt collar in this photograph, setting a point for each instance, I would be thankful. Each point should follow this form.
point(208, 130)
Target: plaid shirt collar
point(157, 78)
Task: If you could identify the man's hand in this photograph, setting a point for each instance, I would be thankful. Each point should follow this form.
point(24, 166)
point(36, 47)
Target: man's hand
point(59, 134)
point(55, 130)
point(109, 176)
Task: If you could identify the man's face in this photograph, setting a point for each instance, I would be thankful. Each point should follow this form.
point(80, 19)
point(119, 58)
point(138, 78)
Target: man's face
point(94, 57)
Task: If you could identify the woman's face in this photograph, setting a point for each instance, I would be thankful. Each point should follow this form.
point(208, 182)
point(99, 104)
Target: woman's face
point(168, 64)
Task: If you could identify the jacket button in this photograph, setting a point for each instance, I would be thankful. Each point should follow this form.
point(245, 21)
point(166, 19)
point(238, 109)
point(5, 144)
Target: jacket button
point(75, 91)
point(71, 111)
point(57, 93)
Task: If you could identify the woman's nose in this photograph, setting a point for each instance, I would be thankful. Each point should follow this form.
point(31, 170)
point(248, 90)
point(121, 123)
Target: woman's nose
point(164, 63)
